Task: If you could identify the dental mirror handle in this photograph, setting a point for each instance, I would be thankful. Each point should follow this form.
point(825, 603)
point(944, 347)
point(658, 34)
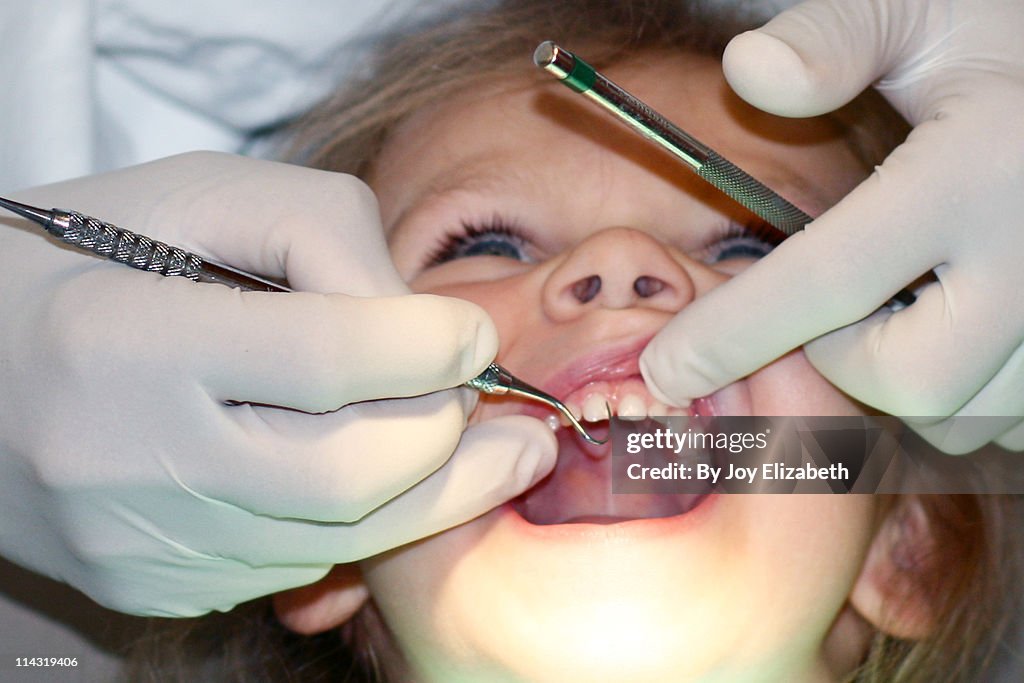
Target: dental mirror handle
point(138, 251)
point(144, 253)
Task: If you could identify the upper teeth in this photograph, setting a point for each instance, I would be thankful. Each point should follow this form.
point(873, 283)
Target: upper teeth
point(632, 405)
point(626, 405)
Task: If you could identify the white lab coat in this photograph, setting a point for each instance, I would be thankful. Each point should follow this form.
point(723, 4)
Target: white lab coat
point(92, 85)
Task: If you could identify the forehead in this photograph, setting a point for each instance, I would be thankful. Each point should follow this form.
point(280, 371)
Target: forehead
point(527, 128)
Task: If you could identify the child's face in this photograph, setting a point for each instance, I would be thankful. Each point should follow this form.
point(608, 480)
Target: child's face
point(558, 585)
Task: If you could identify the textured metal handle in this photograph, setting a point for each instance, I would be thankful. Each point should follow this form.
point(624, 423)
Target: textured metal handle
point(124, 246)
point(744, 189)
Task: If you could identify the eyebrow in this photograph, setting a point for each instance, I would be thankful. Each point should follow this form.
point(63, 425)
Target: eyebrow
point(477, 174)
point(483, 171)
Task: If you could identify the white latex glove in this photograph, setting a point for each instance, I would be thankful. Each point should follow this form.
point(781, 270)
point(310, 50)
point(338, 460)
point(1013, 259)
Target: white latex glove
point(949, 199)
point(123, 469)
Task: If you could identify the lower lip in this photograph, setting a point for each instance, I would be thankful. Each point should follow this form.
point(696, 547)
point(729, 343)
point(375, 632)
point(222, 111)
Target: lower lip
point(611, 529)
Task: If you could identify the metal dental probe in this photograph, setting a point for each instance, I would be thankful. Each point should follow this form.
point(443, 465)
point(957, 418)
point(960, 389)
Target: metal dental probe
point(704, 161)
point(498, 381)
point(138, 251)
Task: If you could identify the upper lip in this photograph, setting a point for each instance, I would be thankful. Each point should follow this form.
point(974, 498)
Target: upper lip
point(610, 363)
point(613, 359)
point(595, 352)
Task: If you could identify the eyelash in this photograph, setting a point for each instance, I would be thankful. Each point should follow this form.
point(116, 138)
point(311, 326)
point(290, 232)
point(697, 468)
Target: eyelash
point(455, 245)
point(756, 240)
point(752, 241)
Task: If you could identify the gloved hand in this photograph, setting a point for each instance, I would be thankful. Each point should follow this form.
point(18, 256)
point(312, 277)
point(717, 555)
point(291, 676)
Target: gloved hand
point(949, 199)
point(124, 468)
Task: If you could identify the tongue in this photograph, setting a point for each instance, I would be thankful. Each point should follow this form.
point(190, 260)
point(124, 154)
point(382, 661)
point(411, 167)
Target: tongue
point(579, 490)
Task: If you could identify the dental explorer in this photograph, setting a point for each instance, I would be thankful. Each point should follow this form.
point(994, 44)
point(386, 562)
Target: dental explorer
point(138, 251)
point(704, 161)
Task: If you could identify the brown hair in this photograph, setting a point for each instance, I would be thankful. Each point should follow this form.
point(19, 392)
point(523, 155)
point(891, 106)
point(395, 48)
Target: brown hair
point(968, 579)
point(483, 42)
point(967, 574)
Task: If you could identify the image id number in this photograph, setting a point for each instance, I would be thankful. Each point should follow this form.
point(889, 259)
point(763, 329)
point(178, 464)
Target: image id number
point(46, 661)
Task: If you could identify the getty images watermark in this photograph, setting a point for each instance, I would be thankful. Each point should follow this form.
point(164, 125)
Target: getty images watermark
point(801, 455)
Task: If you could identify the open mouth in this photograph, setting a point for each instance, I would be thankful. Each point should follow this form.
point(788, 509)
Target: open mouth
point(579, 489)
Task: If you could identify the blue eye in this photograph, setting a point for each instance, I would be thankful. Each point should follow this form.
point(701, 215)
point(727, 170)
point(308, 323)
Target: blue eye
point(494, 239)
point(753, 242)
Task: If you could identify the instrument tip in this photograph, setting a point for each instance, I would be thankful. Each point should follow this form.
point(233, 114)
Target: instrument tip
point(25, 211)
point(582, 431)
point(545, 53)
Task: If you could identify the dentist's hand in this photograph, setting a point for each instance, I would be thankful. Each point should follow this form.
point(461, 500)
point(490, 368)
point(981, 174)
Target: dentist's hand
point(171, 448)
point(950, 199)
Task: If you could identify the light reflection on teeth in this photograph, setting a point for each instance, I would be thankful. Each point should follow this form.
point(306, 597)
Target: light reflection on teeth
point(632, 406)
point(628, 404)
point(594, 408)
point(554, 422)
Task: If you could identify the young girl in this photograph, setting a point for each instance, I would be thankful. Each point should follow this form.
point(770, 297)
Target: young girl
point(498, 185)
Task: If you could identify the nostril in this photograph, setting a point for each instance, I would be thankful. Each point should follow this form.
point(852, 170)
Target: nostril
point(586, 289)
point(646, 286)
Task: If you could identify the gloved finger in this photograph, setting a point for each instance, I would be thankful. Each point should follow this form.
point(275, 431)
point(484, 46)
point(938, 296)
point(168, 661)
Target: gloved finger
point(958, 436)
point(1013, 438)
point(307, 351)
point(217, 583)
point(495, 461)
point(1002, 394)
point(906, 221)
point(355, 350)
point(822, 271)
point(335, 467)
point(120, 571)
point(320, 230)
point(927, 360)
point(994, 411)
point(819, 55)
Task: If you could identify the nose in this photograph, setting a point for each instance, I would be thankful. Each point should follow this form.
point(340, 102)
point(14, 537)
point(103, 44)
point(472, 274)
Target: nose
point(617, 268)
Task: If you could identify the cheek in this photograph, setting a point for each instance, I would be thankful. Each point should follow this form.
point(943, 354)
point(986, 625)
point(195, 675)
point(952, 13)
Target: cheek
point(811, 545)
point(461, 274)
point(509, 298)
point(791, 386)
point(428, 602)
point(796, 559)
point(798, 528)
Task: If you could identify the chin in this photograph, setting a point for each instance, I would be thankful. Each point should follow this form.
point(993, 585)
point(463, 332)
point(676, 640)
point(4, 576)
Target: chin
point(569, 582)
